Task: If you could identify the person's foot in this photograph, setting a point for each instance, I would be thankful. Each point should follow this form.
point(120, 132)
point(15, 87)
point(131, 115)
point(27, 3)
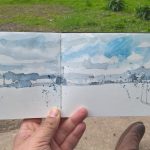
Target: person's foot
point(131, 137)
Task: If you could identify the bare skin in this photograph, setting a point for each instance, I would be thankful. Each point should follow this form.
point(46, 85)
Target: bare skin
point(53, 133)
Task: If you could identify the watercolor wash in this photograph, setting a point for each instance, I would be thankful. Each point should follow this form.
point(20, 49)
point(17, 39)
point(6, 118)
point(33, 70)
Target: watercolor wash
point(29, 72)
point(109, 73)
point(108, 59)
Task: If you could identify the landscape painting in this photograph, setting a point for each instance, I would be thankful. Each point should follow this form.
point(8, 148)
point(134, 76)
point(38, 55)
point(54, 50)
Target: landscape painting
point(107, 72)
point(29, 73)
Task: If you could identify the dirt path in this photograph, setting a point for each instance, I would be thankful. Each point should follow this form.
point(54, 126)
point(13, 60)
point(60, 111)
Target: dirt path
point(101, 133)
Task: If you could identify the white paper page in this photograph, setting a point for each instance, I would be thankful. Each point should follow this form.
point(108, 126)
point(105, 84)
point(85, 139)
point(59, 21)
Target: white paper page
point(29, 74)
point(108, 73)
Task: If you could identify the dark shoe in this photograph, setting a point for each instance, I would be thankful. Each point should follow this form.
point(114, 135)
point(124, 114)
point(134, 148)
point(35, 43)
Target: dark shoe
point(131, 137)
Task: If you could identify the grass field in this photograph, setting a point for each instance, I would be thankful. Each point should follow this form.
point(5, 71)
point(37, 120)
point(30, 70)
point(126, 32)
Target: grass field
point(70, 16)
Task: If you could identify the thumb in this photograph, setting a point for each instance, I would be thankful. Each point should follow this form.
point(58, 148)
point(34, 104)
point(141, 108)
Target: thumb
point(49, 126)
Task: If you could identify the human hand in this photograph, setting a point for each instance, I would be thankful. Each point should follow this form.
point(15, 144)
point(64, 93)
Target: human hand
point(51, 134)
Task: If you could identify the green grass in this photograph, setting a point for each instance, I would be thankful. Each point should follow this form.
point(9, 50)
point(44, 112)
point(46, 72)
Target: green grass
point(70, 16)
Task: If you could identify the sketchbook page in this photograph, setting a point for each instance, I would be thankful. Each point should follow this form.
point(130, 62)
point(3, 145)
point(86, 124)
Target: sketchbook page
point(108, 73)
point(29, 74)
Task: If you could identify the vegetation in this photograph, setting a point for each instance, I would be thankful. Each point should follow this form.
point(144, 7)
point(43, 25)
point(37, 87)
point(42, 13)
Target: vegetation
point(143, 12)
point(70, 16)
point(116, 5)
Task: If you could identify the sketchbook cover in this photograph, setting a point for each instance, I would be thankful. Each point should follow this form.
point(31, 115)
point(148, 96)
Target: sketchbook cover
point(108, 73)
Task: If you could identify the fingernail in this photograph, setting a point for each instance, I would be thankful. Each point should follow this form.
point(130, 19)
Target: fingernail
point(83, 110)
point(53, 112)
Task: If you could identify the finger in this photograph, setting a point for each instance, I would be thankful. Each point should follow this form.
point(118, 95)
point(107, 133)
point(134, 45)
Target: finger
point(69, 125)
point(48, 127)
point(72, 140)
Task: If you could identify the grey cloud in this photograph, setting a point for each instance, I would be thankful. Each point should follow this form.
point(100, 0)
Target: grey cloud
point(89, 65)
point(30, 48)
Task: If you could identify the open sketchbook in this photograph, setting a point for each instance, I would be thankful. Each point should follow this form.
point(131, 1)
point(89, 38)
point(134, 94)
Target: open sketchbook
point(108, 73)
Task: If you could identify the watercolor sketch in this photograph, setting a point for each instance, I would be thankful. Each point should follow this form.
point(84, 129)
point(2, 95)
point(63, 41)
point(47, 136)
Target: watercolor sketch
point(108, 73)
point(29, 68)
point(107, 61)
